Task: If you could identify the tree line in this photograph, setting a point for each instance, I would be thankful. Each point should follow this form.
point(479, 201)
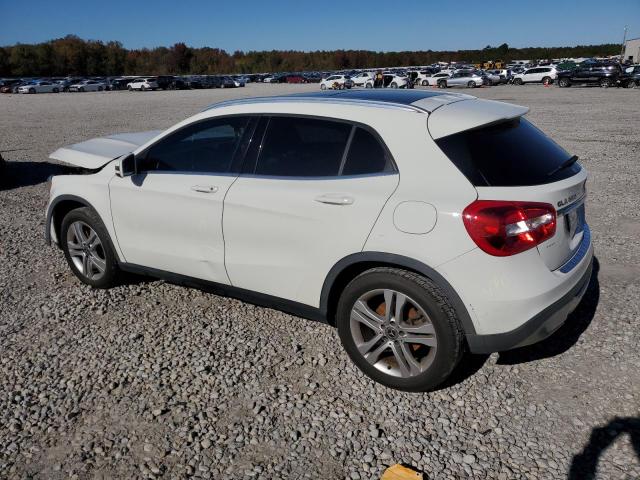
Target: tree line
point(74, 56)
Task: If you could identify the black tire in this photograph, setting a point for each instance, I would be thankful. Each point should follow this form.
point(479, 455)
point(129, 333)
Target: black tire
point(547, 81)
point(32, 90)
point(471, 84)
point(518, 81)
point(442, 84)
point(81, 89)
point(393, 85)
point(448, 331)
point(605, 82)
point(368, 85)
point(564, 82)
point(100, 89)
point(91, 218)
point(56, 90)
point(323, 86)
point(130, 88)
point(425, 83)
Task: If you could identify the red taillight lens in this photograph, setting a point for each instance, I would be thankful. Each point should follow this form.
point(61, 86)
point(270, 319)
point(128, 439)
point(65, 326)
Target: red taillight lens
point(503, 228)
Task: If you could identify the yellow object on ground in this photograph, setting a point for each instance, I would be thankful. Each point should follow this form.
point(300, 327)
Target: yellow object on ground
point(398, 472)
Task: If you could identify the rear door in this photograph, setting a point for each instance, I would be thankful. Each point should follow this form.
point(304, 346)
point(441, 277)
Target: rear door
point(309, 198)
point(515, 161)
point(168, 216)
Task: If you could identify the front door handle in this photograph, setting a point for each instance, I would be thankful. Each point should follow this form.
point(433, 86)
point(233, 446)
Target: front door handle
point(335, 199)
point(204, 188)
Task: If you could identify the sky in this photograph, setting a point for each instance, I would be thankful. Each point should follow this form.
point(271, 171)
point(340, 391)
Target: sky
point(389, 25)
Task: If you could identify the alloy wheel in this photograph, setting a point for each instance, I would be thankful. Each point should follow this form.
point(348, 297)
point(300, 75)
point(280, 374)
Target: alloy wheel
point(393, 333)
point(86, 250)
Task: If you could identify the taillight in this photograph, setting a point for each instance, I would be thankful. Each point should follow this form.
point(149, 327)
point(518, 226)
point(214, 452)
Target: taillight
point(503, 228)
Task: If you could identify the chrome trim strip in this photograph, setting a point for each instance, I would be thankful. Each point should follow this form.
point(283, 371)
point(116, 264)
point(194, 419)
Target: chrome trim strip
point(580, 252)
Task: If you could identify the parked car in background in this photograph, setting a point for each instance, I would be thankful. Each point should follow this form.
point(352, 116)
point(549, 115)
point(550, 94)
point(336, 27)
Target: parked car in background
point(296, 79)
point(240, 81)
point(631, 77)
point(491, 78)
point(40, 86)
point(7, 85)
point(463, 78)
point(394, 80)
point(546, 75)
point(336, 82)
point(360, 79)
point(462, 226)
point(227, 82)
point(433, 80)
point(605, 75)
point(143, 84)
point(87, 86)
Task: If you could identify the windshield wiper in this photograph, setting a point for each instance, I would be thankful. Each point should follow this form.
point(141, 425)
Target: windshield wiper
point(567, 163)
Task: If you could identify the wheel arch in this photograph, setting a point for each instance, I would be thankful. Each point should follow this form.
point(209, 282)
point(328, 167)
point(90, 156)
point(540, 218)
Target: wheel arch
point(57, 210)
point(353, 265)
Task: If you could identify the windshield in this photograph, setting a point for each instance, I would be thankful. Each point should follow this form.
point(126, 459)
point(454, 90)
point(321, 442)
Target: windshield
point(507, 154)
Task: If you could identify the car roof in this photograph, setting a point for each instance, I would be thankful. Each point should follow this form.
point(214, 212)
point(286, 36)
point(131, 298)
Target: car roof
point(424, 100)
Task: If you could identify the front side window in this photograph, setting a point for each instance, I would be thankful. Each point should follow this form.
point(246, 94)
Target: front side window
point(206, 147)
point(302, 147)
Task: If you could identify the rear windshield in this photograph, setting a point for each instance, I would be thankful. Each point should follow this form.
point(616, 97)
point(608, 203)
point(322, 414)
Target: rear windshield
point(507, 154)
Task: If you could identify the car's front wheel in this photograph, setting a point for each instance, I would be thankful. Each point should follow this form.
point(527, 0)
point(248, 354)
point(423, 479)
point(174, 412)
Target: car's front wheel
point(605, 83)
point(564, 82)
point(87, 248)
point(518, 81)
point(425, 83)
point(323, 86)
point(399, 329)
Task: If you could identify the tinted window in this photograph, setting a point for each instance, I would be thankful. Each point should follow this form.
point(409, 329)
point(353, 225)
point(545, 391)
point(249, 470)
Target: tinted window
point(207, 147)
point(302, 147)
point(513, 153)
point(366, 155)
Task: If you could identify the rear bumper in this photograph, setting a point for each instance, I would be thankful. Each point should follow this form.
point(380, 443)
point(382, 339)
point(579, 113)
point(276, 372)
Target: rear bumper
point(537, 328)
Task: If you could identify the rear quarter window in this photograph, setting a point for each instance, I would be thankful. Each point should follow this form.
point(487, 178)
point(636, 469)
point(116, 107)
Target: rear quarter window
point(507, 154)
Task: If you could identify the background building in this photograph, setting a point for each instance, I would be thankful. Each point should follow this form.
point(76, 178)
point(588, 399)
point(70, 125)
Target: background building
point(632, 50)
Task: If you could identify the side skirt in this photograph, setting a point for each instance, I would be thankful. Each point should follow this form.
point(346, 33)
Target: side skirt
point(255, 298)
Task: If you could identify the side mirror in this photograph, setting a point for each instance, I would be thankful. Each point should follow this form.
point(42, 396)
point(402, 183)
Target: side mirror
point(126, 165)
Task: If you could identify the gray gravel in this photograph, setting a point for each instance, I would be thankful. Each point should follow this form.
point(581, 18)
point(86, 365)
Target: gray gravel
point(153, 380)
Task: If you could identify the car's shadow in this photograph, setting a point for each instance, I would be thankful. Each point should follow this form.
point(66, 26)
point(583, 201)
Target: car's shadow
point(561, 340)
point(26, 174)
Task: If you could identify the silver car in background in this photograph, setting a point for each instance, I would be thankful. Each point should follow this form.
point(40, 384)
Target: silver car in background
point(463, 78)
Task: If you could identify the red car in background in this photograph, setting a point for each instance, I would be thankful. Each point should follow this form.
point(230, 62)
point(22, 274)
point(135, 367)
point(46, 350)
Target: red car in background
point(296, 79)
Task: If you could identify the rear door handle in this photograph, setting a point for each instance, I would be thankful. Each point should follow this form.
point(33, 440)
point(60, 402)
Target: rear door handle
point(335, 199)
point(204, 188)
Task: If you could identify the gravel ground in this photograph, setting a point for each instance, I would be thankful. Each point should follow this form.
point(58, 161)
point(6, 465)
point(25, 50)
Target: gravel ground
point(155, 380)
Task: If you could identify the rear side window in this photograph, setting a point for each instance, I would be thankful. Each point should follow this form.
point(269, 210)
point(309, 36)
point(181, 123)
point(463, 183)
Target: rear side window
point(507, 154)
point(302, 147)
point(366, 155)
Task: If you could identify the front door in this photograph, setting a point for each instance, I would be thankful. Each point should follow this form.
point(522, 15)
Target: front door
point(168, 216)
point(309, 200)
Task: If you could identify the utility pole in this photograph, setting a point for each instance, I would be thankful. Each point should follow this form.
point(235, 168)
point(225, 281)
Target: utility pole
point(624, 40)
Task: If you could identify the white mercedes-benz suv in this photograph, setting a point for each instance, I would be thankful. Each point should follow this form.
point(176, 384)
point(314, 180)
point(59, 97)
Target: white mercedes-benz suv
point(421, 224)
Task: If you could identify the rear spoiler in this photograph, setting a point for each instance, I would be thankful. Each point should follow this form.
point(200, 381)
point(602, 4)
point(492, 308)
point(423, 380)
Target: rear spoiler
point(97, 152)
point(468, 114)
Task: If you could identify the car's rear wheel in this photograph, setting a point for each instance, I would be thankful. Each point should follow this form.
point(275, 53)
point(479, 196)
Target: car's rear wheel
point(605, 82)
point(547, 81)
point(323, 86)
point(471, 84)
point(81, 89)
point(393, 85)
point(87, 248)
point(399, 329)
point(442, 84)
point(130, 88)
point(32, 90)
point(564, 82)
point(425, 83)
point(368, 85)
